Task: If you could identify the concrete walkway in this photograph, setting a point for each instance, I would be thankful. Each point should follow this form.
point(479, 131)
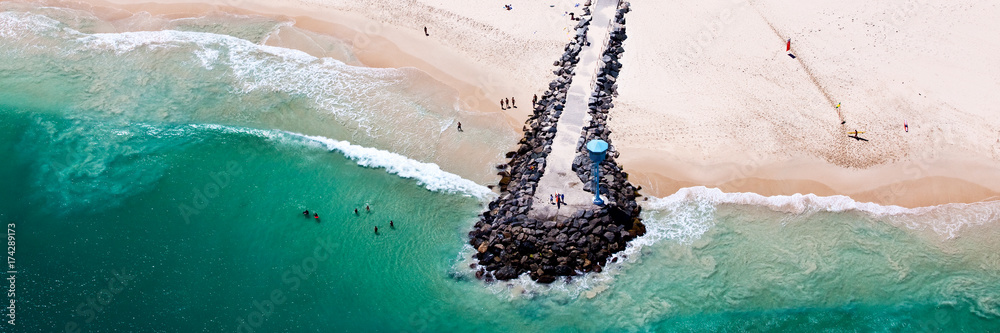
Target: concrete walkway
point(559, 175)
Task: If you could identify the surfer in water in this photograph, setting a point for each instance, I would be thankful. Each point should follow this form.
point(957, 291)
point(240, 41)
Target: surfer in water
point(316, 216)
point(305, 213)
point(391, 225)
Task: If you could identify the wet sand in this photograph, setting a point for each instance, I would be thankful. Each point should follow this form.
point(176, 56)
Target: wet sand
point(485, 58)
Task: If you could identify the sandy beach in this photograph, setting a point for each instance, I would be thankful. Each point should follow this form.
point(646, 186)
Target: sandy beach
point(718, 101)
point(484, 52)
point(298, 165)
point(708, 95)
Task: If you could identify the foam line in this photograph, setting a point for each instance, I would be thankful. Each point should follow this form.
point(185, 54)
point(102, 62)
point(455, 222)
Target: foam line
point(945, 219)
point(427, 175)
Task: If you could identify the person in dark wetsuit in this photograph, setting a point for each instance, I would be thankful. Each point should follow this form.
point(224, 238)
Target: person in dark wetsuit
point(305, 213)
point(391, 225)
point(316, 216)
point(355, 211)
point(376, 229)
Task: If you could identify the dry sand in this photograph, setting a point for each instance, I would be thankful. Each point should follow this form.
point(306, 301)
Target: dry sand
point(708, 95)
point(481, 50)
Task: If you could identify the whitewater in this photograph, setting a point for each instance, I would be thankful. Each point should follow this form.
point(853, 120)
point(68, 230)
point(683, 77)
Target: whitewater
point(105, 134)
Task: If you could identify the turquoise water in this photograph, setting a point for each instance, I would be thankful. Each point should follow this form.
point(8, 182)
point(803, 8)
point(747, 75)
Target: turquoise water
point(174, 160)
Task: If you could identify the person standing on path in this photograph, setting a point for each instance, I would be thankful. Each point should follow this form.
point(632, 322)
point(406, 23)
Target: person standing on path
point(508, 102)
point(512, 102)
point(501, 105)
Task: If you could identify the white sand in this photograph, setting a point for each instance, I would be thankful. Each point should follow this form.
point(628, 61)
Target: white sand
point(509, 53)
point(708, 93)
point(481, 49)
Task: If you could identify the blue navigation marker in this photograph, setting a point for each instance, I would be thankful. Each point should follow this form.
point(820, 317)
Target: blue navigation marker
point(598, 150)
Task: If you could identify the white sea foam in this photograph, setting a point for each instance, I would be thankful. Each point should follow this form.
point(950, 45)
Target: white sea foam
point(946, 220)
point(374, 105)
point(427, 175)
point(687, 215)
point(372, 101)
point(18, 25)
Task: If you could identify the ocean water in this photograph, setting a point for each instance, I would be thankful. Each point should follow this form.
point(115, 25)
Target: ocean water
point(177, 155)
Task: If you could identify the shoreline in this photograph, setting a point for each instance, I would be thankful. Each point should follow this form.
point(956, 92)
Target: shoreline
point(906, 183)
point(374, 44)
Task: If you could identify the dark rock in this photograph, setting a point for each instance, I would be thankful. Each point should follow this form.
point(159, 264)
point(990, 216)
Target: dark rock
point(505, 238)
point(562, 238)
point(506, 273)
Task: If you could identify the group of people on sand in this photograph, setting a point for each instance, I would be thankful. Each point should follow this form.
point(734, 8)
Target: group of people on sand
point(507, 103)
point(368, 209)
point(560, 199)
point(508, 7)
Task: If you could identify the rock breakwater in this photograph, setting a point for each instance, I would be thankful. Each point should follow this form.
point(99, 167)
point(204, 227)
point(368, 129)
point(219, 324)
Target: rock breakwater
point(509, 241)
point(614, 182)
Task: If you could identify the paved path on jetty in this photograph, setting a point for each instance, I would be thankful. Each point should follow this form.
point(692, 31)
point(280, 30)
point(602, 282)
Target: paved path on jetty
point(559, 175)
